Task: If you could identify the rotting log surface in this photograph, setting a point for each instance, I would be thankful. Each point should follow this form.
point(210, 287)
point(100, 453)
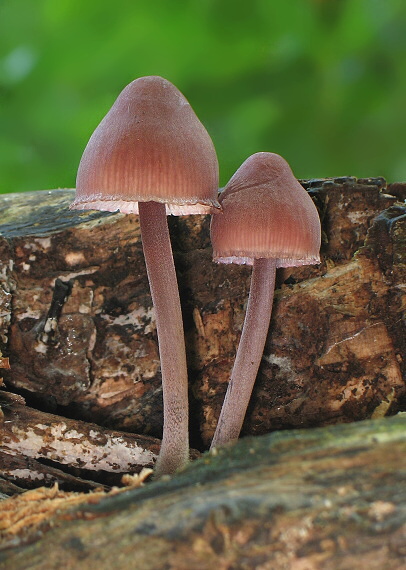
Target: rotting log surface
point(325, 499)
point(78, 326)
point(85, 446)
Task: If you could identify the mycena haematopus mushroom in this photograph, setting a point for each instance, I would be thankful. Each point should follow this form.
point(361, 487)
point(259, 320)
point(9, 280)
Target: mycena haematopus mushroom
point(268, 221)
point(151, 156)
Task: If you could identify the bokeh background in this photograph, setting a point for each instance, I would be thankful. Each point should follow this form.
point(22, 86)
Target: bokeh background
point(322, 82)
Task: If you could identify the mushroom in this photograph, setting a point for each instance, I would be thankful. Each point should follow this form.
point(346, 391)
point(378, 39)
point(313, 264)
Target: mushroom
point(151, 156)
point(268, 221)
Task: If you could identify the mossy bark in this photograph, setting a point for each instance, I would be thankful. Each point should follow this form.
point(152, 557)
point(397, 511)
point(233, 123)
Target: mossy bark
point(325, 498)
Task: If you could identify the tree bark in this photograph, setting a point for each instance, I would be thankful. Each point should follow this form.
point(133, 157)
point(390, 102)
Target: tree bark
point(329, 498)
point(78, 330)
point(336, 345)
point(92, 451)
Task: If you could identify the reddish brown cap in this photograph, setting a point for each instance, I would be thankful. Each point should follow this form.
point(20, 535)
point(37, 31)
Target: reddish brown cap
point(149, 147)
point(266, 214)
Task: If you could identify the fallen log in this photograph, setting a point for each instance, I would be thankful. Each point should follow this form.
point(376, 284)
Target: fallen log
point(325, 498)
point(88, 449)
point(78, 345)
point(77, 321)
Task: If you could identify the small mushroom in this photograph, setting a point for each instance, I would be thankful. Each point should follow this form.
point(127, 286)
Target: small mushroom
point(151, 156)
point(268, 221)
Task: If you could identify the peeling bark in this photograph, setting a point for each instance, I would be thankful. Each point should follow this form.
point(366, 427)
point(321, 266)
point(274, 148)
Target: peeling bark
point(86, 446)
point(20, 473)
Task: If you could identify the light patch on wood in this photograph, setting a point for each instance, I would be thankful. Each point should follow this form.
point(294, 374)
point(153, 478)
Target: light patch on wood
point(40, 347)
point(284, 363)
point(137, 318)
point(197, 318)
point(75, 258)
point(26, 474)
point(357, 217)
point(28, 314)
point(382, 409)
point(74, 448)
point(45, 243)
point(137, 479)
point(69, 276)
point(33, 507)
point(380, 510)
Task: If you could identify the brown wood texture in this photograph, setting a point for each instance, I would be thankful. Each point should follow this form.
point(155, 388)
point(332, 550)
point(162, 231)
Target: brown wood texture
point(78, 330)
point(331, 498)
point(86, 448)
point(77, 321)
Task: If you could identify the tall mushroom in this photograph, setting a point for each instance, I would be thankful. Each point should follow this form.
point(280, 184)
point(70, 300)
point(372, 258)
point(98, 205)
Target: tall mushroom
point(268, 221)
point(151, 156)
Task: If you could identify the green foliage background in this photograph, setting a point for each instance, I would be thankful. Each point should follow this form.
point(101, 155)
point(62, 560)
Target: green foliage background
point(322, 82)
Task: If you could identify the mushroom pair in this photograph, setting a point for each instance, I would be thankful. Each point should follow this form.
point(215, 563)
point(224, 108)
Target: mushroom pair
point(151, 156)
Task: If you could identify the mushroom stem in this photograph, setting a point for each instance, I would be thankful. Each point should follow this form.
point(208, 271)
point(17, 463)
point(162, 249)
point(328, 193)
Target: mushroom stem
point(157, 248)
point(249, 353)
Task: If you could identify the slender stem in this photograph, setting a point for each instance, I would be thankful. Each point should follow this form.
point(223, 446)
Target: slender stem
point(249, 353)
point(165, 297)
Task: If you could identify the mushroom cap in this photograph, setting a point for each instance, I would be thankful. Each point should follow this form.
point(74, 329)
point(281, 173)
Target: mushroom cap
point(266, 214)
point(149, 147)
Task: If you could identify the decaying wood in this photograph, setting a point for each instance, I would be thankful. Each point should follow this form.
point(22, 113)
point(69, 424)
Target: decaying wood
point(324, 499)
point(77, 330)
point(7, 488)
point(31, 434)
point(77, 321)
point(30, 473)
